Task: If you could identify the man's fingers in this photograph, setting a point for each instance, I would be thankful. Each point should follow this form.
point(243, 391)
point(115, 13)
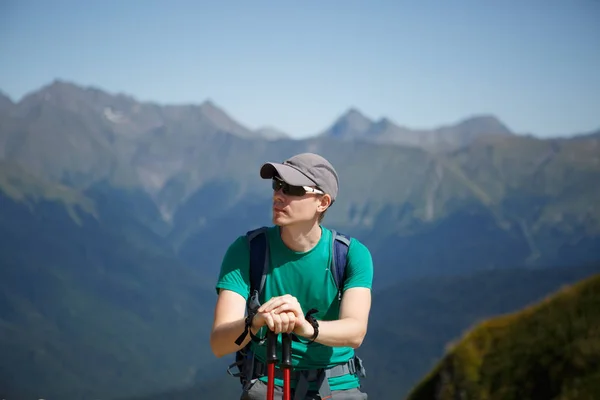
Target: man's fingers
point(285, 322)
point(277, 302)
point(277, 323)
point(269, 320)
point(282, 313)
point(292, 322)
point(283, 308)
point(286, 306)
point(271, 305)
point(262, 308)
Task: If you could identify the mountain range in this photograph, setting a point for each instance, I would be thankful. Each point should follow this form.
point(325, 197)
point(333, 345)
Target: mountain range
point(523, 190)
point(116, 213)
point(354, 126)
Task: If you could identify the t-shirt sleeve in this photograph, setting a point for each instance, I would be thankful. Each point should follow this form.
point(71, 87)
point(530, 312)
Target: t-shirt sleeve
point(234, 274)
point(359, 271)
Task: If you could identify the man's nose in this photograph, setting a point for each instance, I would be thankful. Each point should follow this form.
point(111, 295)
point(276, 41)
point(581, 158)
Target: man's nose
point(278, 195)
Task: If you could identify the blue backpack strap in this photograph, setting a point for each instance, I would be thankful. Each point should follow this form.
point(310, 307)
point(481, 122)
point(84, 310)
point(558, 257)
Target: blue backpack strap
point(259, 267)
point(259, 263)
point(340, 244)
point(259, 258)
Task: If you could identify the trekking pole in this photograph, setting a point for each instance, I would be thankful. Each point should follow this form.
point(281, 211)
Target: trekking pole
point(286, 363)
point(271, 360)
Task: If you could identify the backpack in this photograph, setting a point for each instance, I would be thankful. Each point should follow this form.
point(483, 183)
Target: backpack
point(259, 266)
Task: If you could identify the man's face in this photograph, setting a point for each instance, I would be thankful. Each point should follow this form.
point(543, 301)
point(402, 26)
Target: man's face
point(292, 205)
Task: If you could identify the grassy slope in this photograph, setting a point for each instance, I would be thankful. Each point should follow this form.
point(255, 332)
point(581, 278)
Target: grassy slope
point(550, 350)
point(412, 322)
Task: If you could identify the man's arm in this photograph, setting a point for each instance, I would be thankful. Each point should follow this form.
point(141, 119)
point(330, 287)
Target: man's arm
point(229, 323)
point(351, 328)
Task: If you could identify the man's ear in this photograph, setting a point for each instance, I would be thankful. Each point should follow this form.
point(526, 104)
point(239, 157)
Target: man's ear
point(324, 202)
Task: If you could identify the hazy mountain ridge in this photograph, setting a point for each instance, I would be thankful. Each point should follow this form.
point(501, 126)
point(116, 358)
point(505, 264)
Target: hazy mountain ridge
point(353, 125)
point(123, 113)
point(534, 193)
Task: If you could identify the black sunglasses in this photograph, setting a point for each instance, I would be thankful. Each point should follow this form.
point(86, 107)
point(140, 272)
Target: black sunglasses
point(290, 190)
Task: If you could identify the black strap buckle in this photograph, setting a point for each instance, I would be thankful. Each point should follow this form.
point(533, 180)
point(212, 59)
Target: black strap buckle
point(248, 330)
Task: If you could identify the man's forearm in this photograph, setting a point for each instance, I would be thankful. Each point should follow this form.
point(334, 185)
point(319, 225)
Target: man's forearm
point(347, 332)
point(223, 337)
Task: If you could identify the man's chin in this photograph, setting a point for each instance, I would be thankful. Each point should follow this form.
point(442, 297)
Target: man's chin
point(280, 220)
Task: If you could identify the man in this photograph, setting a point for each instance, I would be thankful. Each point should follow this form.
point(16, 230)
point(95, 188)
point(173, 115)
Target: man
point(299, 279)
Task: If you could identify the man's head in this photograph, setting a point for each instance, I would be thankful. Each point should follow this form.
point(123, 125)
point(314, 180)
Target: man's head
point(304, 185)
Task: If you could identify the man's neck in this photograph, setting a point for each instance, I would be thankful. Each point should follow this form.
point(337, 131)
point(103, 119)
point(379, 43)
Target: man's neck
point(301, 238)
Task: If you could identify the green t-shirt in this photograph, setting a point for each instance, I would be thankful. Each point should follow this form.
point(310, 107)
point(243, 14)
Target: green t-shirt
point(306, 276)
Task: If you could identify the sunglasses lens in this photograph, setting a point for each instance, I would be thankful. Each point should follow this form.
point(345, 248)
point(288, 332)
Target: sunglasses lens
point(276, 184)
point(295, 190)
point(287, 189)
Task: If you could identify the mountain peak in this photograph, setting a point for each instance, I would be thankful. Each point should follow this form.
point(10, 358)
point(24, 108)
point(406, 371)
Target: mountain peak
point(210, 109)
point(56, 89)
point(222, 120)
point(351, 124)
point(62, 83)
point(355, 116)
point(484, 124)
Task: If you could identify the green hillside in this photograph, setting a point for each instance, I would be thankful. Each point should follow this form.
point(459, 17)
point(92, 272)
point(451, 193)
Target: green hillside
point(90, 308)
point(23, 187)
point(550, 351)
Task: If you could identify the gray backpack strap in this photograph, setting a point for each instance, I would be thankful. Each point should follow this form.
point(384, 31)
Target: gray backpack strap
point(321, 376)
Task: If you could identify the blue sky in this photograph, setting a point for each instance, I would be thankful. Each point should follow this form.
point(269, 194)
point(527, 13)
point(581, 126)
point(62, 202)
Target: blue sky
point(297, 66)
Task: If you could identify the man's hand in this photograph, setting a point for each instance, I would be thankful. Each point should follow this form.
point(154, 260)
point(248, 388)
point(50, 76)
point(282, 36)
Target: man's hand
point(284, 322)
point(289, 306)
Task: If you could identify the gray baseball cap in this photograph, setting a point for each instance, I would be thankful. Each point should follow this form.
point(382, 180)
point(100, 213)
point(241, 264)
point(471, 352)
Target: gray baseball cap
point(305, 169)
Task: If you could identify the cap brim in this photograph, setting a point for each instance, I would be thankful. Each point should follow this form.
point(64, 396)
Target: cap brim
point(290, 175)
